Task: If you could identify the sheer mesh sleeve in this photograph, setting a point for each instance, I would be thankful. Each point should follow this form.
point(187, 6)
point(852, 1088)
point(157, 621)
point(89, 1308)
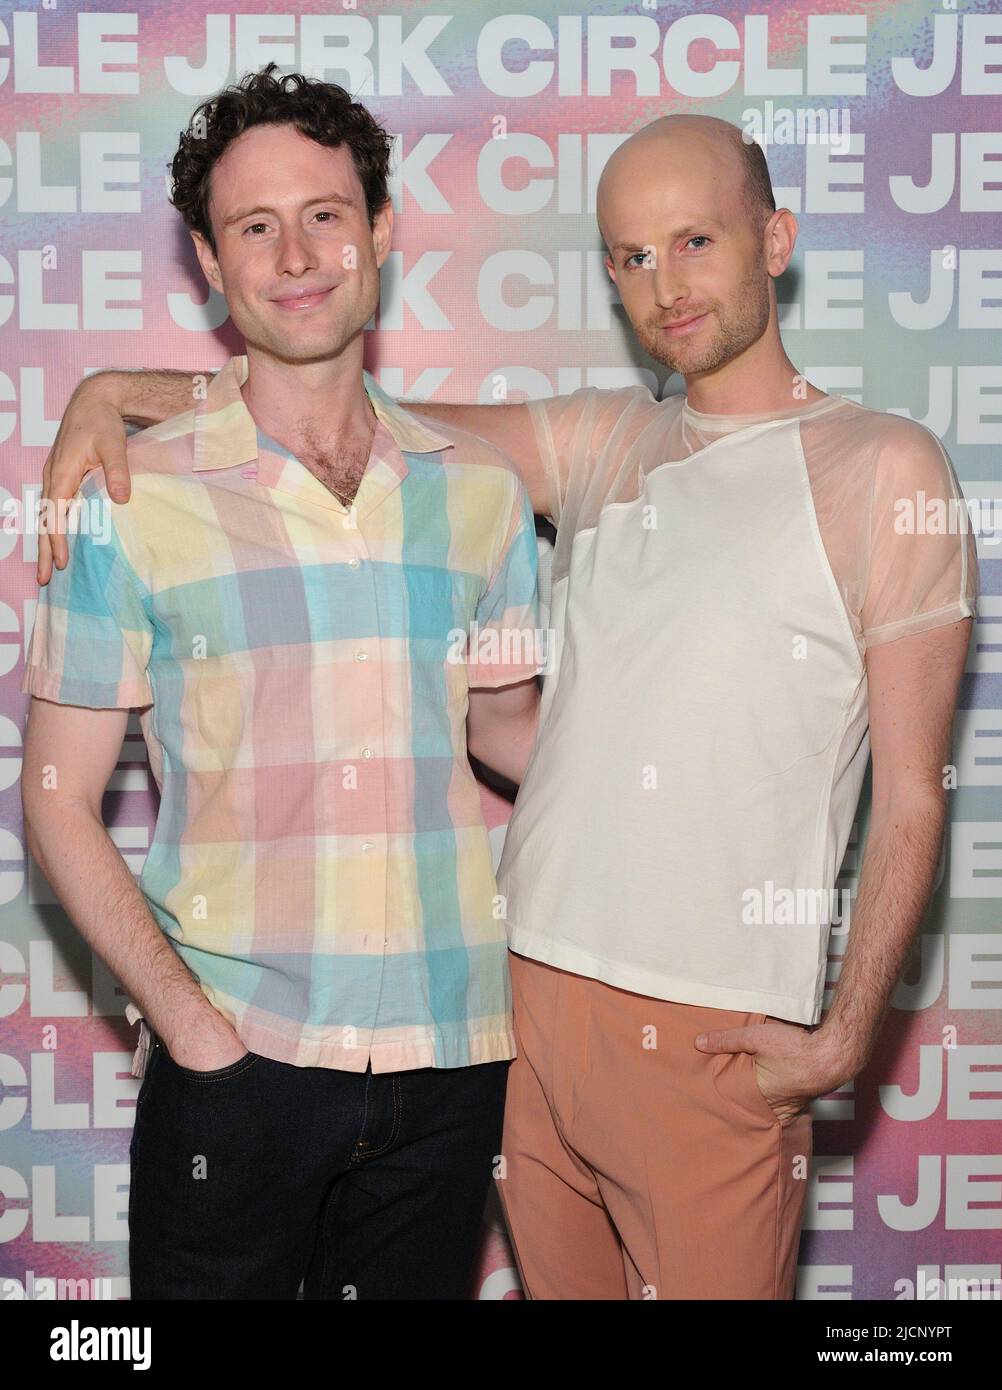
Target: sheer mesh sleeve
point(557, 423)
point(572, 432)
point(923, 568)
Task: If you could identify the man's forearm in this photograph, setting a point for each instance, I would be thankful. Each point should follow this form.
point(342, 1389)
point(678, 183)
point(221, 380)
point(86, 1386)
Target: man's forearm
point(466, 416)
point(146, 397)
point(105, 904)
point(899, 869)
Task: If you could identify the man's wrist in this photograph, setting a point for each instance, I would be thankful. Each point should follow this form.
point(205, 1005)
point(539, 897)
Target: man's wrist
point(143, 397)
point(840, 1051)
point(195, 1029)
point(109, 386)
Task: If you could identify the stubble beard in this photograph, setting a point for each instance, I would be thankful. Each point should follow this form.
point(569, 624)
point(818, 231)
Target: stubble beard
point(737, 328)
point(299, 348)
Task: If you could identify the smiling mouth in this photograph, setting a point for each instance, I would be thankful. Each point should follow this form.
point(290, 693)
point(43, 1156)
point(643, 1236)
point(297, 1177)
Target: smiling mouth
point(304, 301)
point(676, 330)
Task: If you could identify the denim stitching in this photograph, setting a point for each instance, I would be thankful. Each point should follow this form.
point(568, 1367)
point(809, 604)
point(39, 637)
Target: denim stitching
point(206, 1078)
point(357, 1157)
point(395, 1128)
point(336, 1190)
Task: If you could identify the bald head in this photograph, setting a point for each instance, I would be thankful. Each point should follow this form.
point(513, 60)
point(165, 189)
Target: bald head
point(694, 240)
point(689, 150)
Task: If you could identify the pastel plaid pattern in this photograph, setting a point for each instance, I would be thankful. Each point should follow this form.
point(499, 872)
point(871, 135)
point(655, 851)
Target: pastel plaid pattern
point(320, 859)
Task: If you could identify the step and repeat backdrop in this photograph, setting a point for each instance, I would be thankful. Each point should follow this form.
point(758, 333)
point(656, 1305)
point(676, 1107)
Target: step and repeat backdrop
point(881, 124)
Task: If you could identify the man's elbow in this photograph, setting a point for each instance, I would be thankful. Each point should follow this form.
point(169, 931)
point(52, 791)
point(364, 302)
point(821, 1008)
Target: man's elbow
point(31, 843)
point(34, 825)
point(45, 814)
point(30, 809)
point(917, 805)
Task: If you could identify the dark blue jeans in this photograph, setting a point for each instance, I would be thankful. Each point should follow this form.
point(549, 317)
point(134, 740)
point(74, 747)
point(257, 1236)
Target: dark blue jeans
point(252, 1178)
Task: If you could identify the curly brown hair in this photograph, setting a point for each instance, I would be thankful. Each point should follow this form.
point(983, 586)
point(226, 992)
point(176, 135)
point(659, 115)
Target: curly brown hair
point(322, 111)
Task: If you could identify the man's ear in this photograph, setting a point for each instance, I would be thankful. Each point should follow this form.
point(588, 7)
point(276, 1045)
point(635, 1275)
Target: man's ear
point(382, 232)
point(780, 240)
point(207, 260)
point(611, 269)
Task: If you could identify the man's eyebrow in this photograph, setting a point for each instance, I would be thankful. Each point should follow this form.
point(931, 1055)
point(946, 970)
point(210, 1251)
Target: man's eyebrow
point(326, 198)
point(680, 231)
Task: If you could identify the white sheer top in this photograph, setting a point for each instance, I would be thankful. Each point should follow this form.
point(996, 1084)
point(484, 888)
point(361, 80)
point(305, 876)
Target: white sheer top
point(869, 474)
point(704, 729)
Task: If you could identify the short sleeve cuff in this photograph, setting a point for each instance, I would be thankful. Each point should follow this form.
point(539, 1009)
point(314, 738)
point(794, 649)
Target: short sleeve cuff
point(920, 622)
point(506, 652)
point(66, 690)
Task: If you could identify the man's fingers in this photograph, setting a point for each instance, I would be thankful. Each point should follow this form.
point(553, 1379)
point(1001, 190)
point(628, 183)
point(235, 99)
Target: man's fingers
point(63, 487)
point(746, 1039)
point(52, 549)
point(724, 1040)
point(91, 435)
point(43, 572)
point(116, 472)
point(60, 550)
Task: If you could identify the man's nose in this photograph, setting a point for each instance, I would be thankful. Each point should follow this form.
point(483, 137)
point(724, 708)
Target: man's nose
point(294, 253)
point(670, 283)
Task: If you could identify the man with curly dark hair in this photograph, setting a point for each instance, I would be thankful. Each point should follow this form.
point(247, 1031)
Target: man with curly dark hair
point(289, 597)
point(321, 111)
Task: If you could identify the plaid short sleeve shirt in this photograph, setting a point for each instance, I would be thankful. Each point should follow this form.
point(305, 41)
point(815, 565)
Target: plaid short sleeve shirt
point(320, 859)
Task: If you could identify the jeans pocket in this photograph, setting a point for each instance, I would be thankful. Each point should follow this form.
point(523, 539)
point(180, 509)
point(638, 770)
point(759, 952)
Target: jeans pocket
point(237, 1068)
point(148, 1076)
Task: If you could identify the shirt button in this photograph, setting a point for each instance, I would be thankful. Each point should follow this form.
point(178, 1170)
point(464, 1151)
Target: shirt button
point(366, 752)
point(354, 563)
point(361, 656)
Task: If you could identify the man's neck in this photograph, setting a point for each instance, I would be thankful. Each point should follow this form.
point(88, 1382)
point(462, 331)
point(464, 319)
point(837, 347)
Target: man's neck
point(300, 403)
point(751, 385)
point(320, 412)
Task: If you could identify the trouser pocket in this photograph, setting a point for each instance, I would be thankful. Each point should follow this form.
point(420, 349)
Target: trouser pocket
point(736, 1080)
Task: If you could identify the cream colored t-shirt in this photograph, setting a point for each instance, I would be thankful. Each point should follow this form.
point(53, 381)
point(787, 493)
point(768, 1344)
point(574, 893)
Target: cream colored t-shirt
point(716, 581)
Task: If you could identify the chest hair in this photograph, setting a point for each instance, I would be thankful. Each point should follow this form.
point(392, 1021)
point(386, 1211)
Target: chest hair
point(340, 467)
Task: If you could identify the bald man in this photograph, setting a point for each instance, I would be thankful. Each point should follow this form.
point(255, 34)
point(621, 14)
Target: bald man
point(740, 619)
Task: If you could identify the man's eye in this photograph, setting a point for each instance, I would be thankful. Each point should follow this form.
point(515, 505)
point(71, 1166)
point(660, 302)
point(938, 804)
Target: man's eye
point(326, 213)
point(642, 254)
point(252, 226)
point(697, 238)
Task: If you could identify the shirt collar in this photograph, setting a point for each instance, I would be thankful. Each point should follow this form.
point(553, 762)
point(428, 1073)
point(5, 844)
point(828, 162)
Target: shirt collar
point(226, 433)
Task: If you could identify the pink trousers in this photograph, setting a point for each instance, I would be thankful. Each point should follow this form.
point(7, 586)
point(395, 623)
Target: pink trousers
point(635, 1165)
